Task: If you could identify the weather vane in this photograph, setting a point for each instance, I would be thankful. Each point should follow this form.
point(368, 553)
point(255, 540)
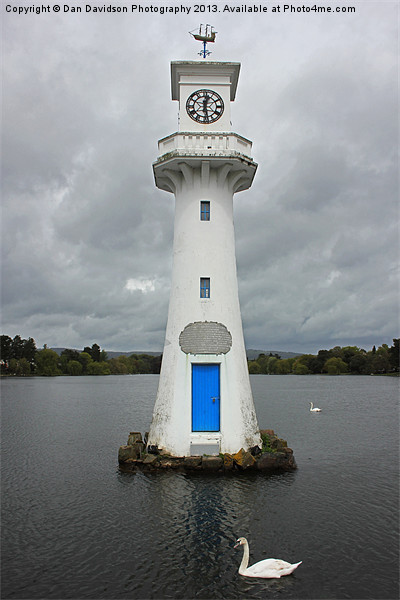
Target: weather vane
point(205, 34)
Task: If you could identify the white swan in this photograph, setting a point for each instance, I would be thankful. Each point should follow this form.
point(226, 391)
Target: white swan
point(270, 568)
point(312, 409)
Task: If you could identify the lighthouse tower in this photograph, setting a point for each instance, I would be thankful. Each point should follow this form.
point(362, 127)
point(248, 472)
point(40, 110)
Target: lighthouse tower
point(204, 402)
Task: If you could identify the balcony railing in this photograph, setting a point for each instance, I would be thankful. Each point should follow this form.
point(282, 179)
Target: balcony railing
point(216, 144)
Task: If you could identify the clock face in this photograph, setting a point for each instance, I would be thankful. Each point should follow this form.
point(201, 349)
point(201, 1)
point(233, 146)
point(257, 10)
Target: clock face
point(205, 106)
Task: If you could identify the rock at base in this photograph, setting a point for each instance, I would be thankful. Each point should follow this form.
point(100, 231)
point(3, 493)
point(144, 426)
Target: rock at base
point(170, 462)
point(134, 436)
point(134, 451)
point(244, 459)
point(211, 463)
point(126, 452)
point(274, 457)
point(229, 463)
point(192, 462)
point(150, 459)
point(277, 461)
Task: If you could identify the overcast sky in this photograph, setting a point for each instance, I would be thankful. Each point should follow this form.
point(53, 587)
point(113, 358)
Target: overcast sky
point(87, 237)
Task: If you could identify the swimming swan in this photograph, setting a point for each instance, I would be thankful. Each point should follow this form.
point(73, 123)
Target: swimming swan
point(312, 409)
point(270, 568)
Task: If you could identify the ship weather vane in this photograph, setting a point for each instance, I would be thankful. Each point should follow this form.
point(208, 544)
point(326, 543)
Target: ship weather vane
point(204, 34)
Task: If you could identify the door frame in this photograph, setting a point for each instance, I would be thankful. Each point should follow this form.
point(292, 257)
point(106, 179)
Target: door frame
point(206, 364)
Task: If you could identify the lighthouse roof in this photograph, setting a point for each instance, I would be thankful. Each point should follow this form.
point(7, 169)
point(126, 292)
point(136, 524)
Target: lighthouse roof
point(203, 69)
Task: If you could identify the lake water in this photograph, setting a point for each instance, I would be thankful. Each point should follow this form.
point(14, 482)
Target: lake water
point(74, 527)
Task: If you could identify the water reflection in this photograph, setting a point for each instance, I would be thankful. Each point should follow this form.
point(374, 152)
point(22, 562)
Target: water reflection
point(196, 520)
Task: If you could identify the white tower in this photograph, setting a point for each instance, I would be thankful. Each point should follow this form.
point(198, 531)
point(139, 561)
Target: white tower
point(204, 402)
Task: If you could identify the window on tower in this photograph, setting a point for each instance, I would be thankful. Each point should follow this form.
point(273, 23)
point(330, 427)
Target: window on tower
point(204, 211)
point(204, 287)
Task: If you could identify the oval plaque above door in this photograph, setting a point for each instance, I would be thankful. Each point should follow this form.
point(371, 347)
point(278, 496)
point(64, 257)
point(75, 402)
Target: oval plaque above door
point(205, 337)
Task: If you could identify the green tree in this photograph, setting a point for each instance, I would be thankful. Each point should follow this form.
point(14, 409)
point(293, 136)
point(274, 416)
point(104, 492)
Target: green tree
point(126, 363)
point(17, 347)
point(98, 368)
point(381, 360)
point(103, 356)
point(284, 366)
point(262, 361)
point(304, 359)
point(95, 353)
point(47, 363)
point(142, 365)
point(335, 366)
point(30, 352)
point(6, 348)
point(19, 367)
point(300, 369)
point(336, 351)
point(66, 356)
point(254, 368)
point(359, 363)
point(133, 361)
point(24, 366)
point(119, 365)
point(74, 367)
point(315, 364)
point(70, 354)
point(85, 359)
point(348, 352)
point(13, 366)
point(156, 364)
point(394, 355)
point(271, 365)
point(379, 364)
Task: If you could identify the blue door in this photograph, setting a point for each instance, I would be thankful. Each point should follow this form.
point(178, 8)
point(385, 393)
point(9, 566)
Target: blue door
point(205, 397)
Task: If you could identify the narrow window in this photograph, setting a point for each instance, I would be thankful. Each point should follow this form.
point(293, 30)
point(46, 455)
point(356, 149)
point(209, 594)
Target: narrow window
point(204, 287)
point(204, 211)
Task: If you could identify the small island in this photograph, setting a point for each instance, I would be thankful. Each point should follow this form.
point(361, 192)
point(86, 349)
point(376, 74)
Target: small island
point(274, 456)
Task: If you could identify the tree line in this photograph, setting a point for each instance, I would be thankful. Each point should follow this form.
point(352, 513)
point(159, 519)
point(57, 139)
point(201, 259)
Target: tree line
point(336, 361)
point(20, 357)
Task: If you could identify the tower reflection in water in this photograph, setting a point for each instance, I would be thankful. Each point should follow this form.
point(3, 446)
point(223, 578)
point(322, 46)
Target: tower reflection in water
point(196, 520)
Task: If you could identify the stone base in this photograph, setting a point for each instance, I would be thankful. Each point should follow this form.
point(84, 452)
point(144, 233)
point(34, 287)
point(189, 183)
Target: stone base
point(274, 456)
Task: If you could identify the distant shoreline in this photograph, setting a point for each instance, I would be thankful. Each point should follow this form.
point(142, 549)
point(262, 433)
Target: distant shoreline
point(33, 375)
point(21, 358)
